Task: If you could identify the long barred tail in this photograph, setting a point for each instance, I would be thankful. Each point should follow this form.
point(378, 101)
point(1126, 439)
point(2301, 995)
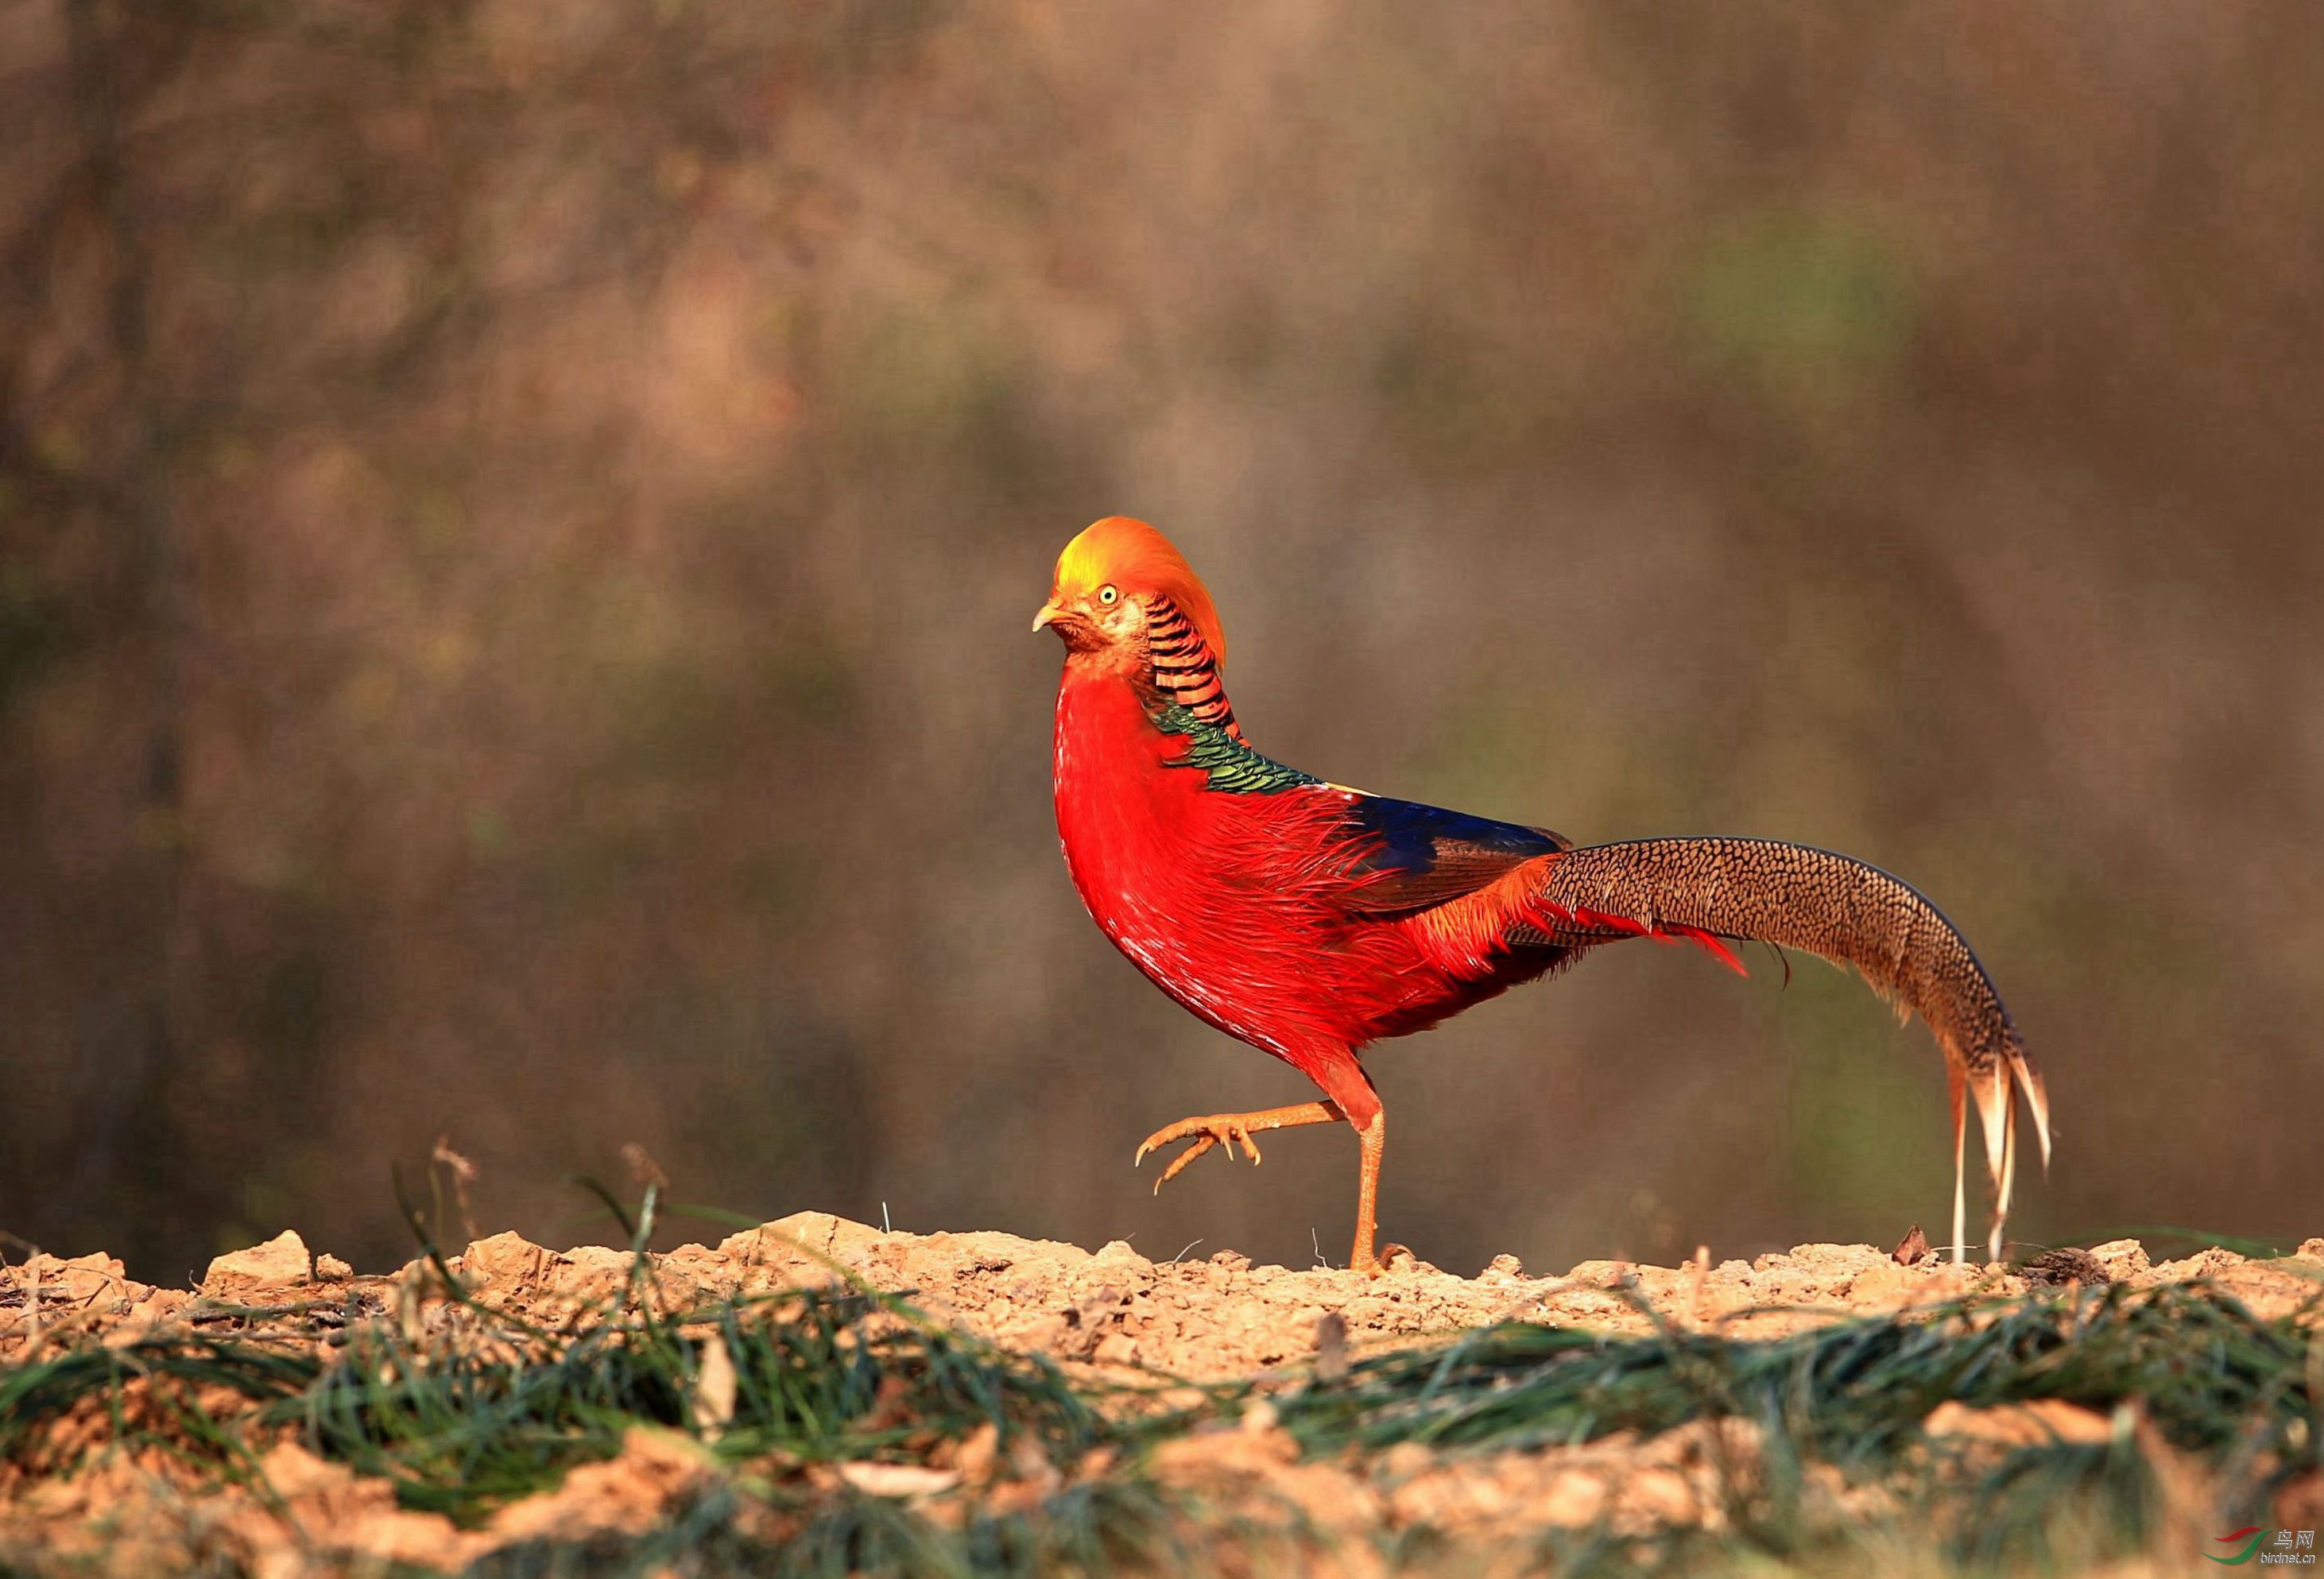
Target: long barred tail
point(1790, 895)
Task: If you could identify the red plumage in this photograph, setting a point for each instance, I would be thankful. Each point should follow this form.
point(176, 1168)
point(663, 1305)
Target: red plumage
point(1238, 905)
point(1310, 920)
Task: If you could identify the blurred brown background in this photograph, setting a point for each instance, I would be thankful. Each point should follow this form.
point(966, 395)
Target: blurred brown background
point(518, 521)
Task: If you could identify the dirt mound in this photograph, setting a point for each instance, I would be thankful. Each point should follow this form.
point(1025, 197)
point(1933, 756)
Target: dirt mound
point(1200, 1320)
point(1224, 1317)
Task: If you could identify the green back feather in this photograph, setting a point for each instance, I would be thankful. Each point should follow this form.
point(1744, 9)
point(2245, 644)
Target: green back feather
point(1231, 763)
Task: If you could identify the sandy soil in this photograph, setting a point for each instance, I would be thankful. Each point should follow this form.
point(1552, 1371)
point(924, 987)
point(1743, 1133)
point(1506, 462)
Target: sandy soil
point(1108, 1313)
point(1112, 1308)
point(1224, 1317)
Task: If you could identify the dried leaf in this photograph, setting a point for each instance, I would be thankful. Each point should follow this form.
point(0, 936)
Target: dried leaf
point(1912, 1249)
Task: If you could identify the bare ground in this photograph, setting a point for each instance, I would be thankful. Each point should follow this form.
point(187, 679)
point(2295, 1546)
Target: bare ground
point(1109, 1316)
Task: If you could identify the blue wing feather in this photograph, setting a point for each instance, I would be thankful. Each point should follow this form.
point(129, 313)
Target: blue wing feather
point(1418, 856)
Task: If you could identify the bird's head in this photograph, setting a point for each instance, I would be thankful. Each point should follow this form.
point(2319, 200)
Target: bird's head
point(1110, 577)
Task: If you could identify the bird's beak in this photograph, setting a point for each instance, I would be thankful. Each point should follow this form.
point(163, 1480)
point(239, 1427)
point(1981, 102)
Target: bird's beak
point(1049, 615)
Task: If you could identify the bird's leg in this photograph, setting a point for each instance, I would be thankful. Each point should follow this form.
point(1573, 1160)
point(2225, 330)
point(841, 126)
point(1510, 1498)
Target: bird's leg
point(1350, 1091)
point(1231, 1130)
point(1373, 1139)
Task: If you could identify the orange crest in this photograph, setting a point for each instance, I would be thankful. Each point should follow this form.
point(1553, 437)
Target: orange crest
point(1133, 556)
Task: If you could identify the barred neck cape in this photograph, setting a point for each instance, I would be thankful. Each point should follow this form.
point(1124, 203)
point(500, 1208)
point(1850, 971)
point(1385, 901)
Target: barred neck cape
point(1311, 919)
point(1184, 669)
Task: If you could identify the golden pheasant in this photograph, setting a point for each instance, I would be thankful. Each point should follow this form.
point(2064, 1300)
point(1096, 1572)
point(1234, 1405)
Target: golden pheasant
point(1311, 919)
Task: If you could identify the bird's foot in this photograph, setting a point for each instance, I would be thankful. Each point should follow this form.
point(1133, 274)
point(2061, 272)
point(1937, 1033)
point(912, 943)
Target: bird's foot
point(1231, 1130)
point(1388, 1258)
point(1216, 1129)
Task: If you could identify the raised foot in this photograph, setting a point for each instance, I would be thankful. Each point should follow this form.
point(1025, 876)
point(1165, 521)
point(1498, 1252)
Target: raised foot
point(1216, 1129)
point(1231, 1130)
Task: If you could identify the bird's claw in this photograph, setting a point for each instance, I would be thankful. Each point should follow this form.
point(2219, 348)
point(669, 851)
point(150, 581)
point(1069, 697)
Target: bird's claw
point(1215, 1130)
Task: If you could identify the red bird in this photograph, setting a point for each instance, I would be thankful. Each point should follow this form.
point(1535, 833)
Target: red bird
point(1311, 919)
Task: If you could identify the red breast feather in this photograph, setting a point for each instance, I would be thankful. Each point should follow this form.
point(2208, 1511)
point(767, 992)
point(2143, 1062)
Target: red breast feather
point(1240, 905)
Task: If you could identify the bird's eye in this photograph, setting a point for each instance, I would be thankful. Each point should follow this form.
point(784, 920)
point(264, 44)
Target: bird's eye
point(1107, 594)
